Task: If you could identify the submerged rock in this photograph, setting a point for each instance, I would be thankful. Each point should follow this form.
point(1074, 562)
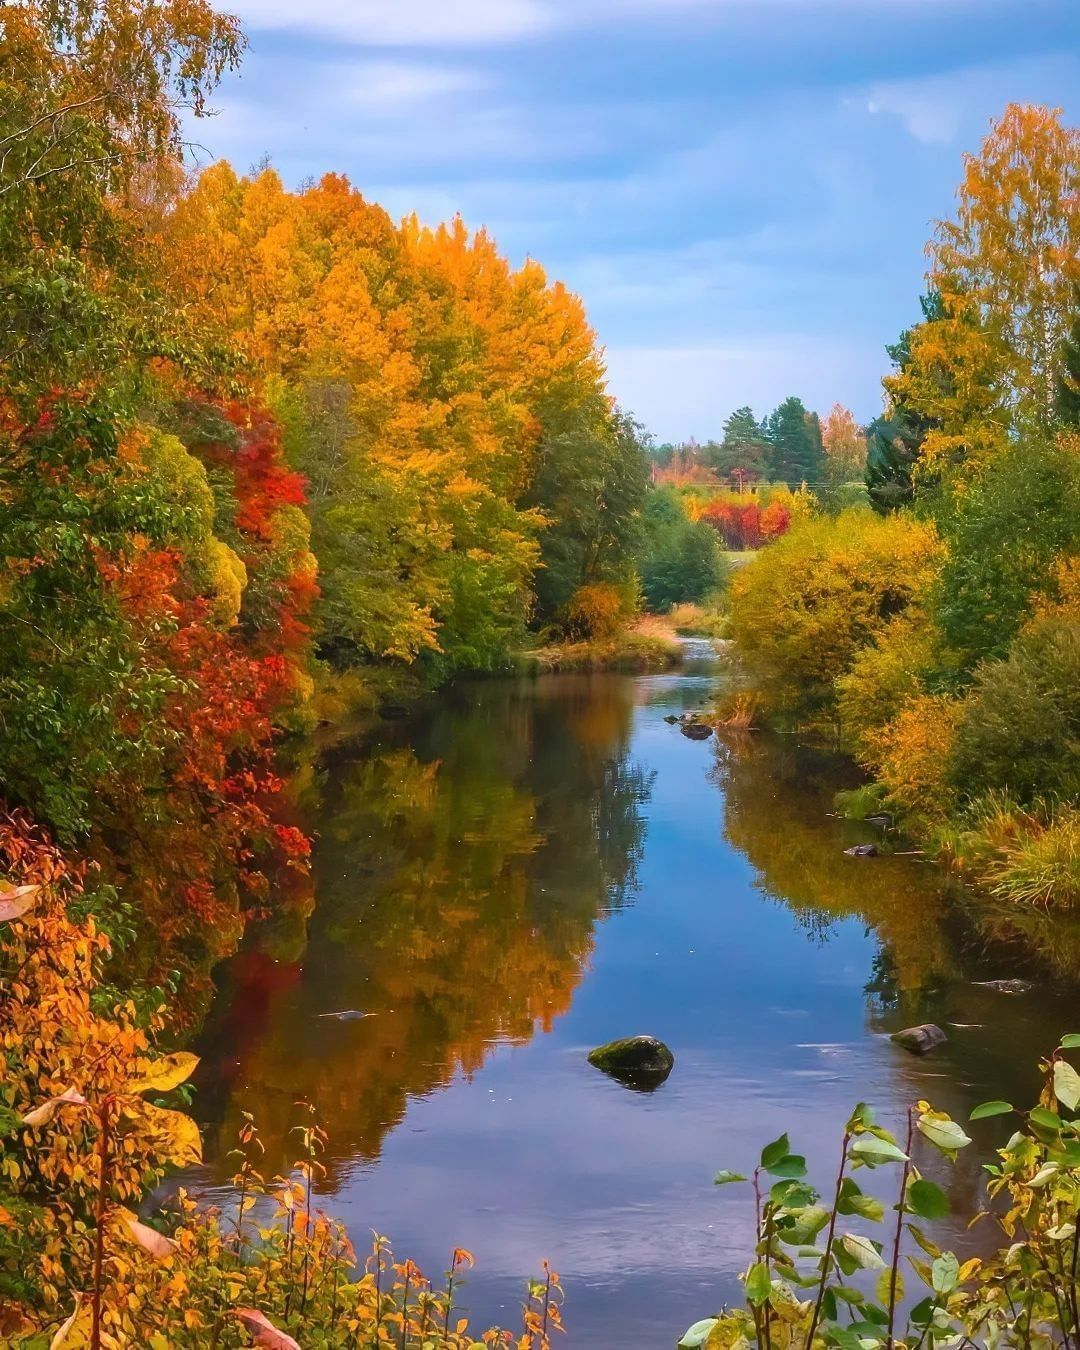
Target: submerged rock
point(1005, 986)
point(640, 1062)
point(920, 1039)
point(862, 851)
point(696, 731)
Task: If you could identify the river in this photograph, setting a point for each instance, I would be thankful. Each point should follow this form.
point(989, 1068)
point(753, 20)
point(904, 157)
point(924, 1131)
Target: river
point(528, 868)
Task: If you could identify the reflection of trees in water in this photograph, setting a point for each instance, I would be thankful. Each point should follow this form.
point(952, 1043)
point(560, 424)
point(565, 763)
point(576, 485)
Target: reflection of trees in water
point(460, 875)
point(777, 800)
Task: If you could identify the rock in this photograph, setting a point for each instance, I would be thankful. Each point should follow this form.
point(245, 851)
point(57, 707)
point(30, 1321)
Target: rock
point(696, 731)
point(640, 1062)
point(920, 1039)
point(671, 719)
point(862, 851)
point(1006, 986)
point(393, 712)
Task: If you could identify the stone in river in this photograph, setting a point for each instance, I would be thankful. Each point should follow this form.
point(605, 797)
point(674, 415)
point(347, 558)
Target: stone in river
point(920, 1039)
point(640, 1062)
point(862, 851)
point(696, 731)
point(1005, 986)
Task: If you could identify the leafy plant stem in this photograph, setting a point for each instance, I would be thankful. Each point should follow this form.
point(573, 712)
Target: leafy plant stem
point(895, 1268)
point(828, 1242)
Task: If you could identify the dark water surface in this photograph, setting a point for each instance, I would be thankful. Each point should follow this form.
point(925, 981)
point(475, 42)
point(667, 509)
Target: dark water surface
point(528, 869)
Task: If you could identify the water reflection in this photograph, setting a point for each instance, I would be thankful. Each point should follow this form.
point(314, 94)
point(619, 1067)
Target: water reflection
point(531, 869)
point(460, 870)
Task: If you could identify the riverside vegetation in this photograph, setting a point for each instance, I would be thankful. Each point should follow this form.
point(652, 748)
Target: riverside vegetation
point(266, 457)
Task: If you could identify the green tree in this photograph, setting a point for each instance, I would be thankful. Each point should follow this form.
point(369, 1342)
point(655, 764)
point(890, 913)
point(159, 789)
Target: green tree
point(745, 446)
point(1067, 401)
point(1005, 532)
point(590, 485)
point(796, 452)
point(681, 560)
point(894, 440)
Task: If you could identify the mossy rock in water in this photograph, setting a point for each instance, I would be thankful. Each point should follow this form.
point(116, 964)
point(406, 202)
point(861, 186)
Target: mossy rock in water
point(920, 1040)
point(640, 1062)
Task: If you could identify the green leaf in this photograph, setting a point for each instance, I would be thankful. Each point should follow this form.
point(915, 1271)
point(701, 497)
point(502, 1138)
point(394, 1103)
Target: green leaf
point(724, 1177)
point(943, 1134)
point(849, 1295)
point(696, 1336)
point(1071, 1041)
point(758, 1284)
point(1047, 1120)
point(807, 1226)
point(1066, 1084)
point(923, 1312)
point(990, 1109)
point(945, 1273)
point(772, 1153)
point(792, 1195)
point(862, 1251)
point(874, 1150)
point(792, 1165)
point(927, 1200)
point(852, 1201)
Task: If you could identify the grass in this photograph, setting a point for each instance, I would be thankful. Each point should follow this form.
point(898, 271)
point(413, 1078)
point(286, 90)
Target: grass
point(697, 621)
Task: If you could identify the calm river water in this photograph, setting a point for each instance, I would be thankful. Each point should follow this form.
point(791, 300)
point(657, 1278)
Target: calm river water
point(530, 868)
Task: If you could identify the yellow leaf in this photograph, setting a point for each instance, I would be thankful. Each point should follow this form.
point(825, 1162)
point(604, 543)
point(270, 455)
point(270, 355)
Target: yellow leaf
point(173, 1133)
point(166, 1073)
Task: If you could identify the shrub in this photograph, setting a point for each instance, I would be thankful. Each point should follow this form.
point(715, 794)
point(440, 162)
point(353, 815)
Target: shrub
point(819, 595)
point(910, 755)
point(599, 610)
point(886, 674)
point(1019, 728)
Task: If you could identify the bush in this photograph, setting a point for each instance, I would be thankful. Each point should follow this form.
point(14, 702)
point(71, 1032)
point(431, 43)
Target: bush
point(1019, 728)
point(599, 610)
point(819, 595)
point(885, 675)
point(910, 755)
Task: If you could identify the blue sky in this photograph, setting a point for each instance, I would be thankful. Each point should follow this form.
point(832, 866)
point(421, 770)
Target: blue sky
point(739, 189)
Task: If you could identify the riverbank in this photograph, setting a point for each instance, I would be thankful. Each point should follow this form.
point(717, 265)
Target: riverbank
point(649, 646)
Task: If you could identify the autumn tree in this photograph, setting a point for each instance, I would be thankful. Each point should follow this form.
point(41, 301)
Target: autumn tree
point(1067, 398)
point(1005, 269)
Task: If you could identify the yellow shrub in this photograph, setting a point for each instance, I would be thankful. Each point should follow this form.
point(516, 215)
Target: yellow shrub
point(885, 675)
point(600, 609)
point(910, 754)
point(819, 595)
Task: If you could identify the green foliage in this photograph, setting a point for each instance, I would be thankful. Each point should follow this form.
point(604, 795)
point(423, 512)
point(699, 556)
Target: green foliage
point(796, 452)
point(1019, 726)
point(805, 1285)
point(681, 562)
point(894, 440)
point(590, 484)
point(1067, 397)
point(1004, 533)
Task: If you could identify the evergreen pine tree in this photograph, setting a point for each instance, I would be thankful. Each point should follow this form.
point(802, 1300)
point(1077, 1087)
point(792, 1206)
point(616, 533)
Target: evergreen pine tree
point(796, 452)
